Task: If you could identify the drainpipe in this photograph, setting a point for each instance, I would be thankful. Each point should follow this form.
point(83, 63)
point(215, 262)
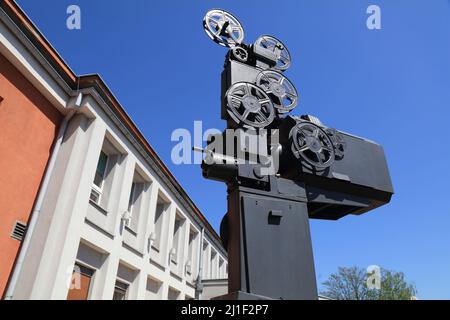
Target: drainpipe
point(73, 105)
point(199, 284)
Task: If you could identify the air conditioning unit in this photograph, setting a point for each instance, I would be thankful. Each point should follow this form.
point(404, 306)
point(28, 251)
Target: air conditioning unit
point(126, 217)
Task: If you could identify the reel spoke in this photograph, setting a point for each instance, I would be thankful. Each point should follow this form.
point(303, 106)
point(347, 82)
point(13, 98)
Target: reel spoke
point(291, 96)
point(246, 114)
point(327, 149)
point(231, 34)
point(237, 98)
point(304, 149)
point(316, 133)
point(247, 89)
point(319, 157)
point(262, 115)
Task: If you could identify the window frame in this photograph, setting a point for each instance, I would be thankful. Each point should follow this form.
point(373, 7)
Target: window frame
point(121, 290)
point(99, 190)
point(179, 224)
point(132, 199)
point(158, 223)
point(213, 264)
point(86, 271)
point(174, 291)
point(192, 241)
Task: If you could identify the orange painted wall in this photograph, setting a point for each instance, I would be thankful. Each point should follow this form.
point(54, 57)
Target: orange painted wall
point(28, 127)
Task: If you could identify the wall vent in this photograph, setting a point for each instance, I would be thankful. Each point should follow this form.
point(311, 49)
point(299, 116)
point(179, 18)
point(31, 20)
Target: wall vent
point(19, 230)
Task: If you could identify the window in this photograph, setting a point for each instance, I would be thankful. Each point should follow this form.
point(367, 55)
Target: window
point(153, 289)
point(100, 174)
point(120, 291)
point(177, 238)
point(221, 269)
point(109, 159)
point(132, 199)
point(101, 169)
point(161, 208)
point(81, 283)
point(205, 260)
point(135, 201)
point(213, 270)
point(173, 294)
point(191, 251)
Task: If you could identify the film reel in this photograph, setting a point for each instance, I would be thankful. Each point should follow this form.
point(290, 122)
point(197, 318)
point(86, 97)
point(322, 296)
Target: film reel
point(311, 144)
point(280, 50)
point(223, 28)
point(240, 54)
point(338, 142)
point(249, 105)
point(280, 89)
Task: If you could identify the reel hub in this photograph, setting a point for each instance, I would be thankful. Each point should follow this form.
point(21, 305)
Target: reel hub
point(251, 103)
point(277, 90)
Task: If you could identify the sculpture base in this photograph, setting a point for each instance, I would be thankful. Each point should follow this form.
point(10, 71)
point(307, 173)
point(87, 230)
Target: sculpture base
point(269, 247)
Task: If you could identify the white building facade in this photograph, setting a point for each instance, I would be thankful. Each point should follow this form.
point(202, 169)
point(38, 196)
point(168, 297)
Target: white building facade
point(108, 214)
point(110, 220)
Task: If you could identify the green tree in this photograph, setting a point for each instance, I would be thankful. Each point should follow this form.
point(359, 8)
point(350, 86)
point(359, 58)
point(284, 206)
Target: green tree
point(350, 283)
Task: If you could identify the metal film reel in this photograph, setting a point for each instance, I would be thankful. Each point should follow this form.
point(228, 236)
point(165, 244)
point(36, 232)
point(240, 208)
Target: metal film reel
point(280, 50)
point(338, 142)
point(240, 54)
point(249, 105)
point(280, 89)
point(223, 28)
point(311, 144)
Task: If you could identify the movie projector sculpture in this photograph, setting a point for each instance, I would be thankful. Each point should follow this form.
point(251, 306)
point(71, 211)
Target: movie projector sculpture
point(322, 173)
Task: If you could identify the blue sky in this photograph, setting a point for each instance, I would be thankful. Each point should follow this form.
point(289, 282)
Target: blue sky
point(391, 86)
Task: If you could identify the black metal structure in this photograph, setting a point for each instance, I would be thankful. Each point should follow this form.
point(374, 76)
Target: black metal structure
point(322, 174)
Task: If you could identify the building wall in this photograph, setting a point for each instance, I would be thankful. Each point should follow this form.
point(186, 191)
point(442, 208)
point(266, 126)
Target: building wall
point(72, 232)
point(28, 124)
point(214, 288)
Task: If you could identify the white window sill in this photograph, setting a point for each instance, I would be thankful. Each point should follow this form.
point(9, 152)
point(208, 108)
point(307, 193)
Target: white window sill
point(131, 231)
point(98, 207)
